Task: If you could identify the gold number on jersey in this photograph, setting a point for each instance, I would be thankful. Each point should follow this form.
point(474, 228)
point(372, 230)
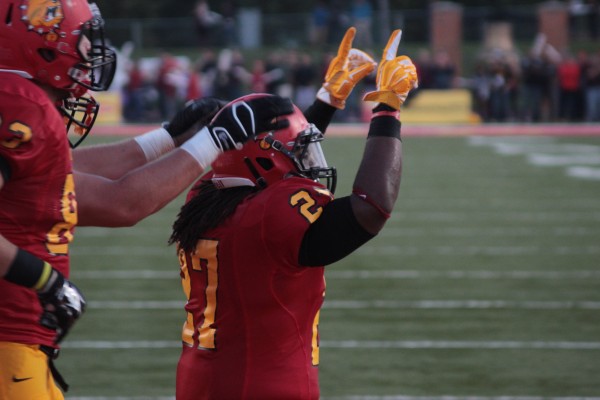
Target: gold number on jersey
point(305, 202)
point(61, 234)
point(205, 254)
point(21, 134)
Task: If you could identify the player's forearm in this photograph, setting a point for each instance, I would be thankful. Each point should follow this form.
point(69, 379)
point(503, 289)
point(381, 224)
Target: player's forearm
point(111, 160)
point(377, 181)
point(320, 114)
point(136, 195)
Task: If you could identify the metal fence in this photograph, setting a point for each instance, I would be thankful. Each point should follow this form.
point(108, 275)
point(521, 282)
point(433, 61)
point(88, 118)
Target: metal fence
point(284, 30)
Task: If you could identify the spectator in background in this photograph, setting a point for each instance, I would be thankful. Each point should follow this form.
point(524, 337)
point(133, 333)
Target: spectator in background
point(228, 36)
point(480, 86)
point(499, 100)
point(443, 71)
point(424, 64)
point(257, 80)
point(207, 69)
point(536, 78)
point(275, 62)
point(338, 22)
point(207, 22)
point(569, 83)
point(228, 81)
point(593, 18)
point(167, 87)
point(592, 91)
point(362, 18)
point(133, 96)
point(305, 77)
point(319, 29)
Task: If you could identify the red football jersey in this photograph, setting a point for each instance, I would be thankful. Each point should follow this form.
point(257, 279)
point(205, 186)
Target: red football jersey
point(37, 203)
point(253, 312)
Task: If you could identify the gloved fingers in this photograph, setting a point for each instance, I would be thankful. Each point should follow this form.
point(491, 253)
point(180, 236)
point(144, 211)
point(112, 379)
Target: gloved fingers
point(346, 45)
point(357, 58)
point(391, 49)
point(338, 63)
point(360, 72)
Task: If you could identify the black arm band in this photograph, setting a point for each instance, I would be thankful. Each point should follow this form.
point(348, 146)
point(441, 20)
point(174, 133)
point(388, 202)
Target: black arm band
point(28, 270)
point(4, 169)
point(384, 126)
point(320, 114)
point(333, 236)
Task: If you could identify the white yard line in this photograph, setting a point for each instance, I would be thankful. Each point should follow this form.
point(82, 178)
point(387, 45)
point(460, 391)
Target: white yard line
point(366, 274)
point(396, 250)
point(376, 304)
point(356, 344)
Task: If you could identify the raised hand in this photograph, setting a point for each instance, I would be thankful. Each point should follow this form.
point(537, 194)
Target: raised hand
point(344, 72)
point(396, 76)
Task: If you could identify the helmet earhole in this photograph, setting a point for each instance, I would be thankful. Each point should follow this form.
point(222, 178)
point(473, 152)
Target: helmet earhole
point(47, 54)
point(265, 163)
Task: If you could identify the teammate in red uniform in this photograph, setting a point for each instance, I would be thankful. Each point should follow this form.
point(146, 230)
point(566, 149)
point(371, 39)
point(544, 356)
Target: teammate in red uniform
point(254, 235)
point(51, 54)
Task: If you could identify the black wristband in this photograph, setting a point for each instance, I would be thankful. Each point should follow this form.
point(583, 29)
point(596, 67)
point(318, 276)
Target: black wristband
point(27, 270)
point(320, 114)
point(384, 126)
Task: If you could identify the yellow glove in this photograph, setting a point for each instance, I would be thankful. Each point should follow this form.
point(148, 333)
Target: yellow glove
point(396, 76)
point(344, 72)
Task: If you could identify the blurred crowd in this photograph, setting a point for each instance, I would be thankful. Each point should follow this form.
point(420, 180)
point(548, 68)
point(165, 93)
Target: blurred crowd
point(542, 86)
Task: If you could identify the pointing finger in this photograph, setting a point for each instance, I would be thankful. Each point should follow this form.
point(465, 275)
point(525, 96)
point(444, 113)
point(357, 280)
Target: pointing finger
point(389, 53)
point(346, 44)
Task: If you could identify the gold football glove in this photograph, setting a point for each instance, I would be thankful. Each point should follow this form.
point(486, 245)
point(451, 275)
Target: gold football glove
point(344, 72)
point(396, 76)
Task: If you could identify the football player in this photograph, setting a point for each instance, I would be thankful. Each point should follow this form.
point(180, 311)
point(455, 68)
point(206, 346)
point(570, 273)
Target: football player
point(254, 236)
point(51, 54)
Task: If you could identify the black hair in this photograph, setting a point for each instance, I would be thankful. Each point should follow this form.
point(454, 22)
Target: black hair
point(206, 210)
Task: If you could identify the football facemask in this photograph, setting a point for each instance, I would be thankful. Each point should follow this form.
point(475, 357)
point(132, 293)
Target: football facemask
point(79, 114)
point(272, 156)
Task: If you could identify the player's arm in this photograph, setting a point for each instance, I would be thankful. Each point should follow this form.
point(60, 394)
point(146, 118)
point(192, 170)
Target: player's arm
point(345, 70)
point(114, 160)
point(348, 222)
point(146, 189)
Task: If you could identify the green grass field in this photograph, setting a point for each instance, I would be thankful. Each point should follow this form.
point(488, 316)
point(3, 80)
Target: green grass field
point(485, 283)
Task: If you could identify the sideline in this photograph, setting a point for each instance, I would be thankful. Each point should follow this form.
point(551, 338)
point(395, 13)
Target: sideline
point(369, 397)
point(360, 129)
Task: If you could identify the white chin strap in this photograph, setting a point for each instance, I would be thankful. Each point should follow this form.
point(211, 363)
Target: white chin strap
point(225, 183)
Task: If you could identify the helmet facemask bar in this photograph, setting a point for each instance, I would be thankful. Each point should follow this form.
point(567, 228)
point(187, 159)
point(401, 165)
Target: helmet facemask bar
point(80, 114)
point(98, 67)
point(307, 155)
point(309, 158)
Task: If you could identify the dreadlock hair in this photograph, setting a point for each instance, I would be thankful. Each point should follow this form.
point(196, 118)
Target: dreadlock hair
point(206, 210)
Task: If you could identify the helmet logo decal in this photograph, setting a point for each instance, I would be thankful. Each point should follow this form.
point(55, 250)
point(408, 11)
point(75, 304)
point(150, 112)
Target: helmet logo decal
point(44, 15)
point(264, 144)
